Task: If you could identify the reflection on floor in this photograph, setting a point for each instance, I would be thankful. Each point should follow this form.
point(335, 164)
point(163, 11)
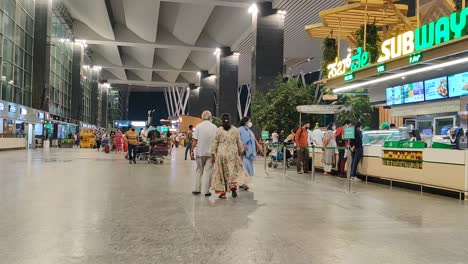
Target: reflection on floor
point(81, 206)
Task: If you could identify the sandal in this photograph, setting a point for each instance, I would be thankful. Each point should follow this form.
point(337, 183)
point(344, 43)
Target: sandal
point(222, 196)
point(234, 192)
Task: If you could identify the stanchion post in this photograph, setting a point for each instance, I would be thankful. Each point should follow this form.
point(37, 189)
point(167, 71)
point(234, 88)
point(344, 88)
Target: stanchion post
point(265, 154)
point(348, 169)
point(313, 162)
point(284, 160)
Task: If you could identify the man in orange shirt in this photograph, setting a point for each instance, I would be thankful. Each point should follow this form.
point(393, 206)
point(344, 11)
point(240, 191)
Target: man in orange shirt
point(131, 137)
point(302, 147)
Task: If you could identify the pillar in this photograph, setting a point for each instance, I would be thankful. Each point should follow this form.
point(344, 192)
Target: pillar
point(227, 82)
point(41, 61)
point(203, 97)
point(77, 91)
point(268, 39)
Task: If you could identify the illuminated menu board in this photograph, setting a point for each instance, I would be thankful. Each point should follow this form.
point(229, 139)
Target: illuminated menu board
point(436, 88)
point(458, 84)
point(395, 95)
point(413, 92)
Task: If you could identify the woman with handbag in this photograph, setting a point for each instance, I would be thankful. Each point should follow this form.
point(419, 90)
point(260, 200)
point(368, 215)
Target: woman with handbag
point(329, 145)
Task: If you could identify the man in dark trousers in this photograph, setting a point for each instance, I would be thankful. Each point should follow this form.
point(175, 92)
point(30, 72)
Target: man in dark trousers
point(341, 143)
point(302, 147)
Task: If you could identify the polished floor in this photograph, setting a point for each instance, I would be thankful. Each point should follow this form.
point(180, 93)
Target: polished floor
point(81, 206)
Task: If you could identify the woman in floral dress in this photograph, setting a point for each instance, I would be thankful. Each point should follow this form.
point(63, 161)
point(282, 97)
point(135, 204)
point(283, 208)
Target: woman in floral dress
point(118, 141)
point(226, 151)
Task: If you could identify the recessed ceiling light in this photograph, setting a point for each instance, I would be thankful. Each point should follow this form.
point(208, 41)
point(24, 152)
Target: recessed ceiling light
point(253, 9)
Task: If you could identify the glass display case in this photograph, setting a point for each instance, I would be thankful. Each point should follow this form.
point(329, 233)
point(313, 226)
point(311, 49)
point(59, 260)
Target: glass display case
point(378, 137)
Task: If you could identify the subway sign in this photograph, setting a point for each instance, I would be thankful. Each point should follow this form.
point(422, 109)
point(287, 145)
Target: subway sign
point(411, 43)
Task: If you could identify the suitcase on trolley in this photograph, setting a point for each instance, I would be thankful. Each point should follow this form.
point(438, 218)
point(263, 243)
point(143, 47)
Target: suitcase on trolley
point(107, 149)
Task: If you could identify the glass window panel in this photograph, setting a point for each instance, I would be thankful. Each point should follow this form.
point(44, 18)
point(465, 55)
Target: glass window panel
point(18, 96)
point(7, 71)
point(27, 99)
point(7, 92)
point(1, 19)
point(20, 16)
point(27, 82)
point(29, 44)
point(8, 50)
point(2, 6)
point(1, 45)
point(19, 77)
point(19, 57)
point(10, 6)
point(28, 63)
point(22, 40)
point(17, 34)
point(9, 27)
point(29, 25)
point(442, 124)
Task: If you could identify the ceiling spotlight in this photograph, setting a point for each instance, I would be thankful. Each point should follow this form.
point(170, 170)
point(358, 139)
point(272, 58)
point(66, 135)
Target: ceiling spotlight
point(217, 51)
point(213, 76)
point(253, 9)
point(198, 74)
point(403, 77)
point(281, 12)
point(97, 68)
point(236, 53)
point(350, 50)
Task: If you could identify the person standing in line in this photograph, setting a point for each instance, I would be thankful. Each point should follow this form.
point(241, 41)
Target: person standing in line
point(291, 136)
point(275, 137)
point(329, 144)
point(317, 136)
point(226, 151)
point(250, 151)
point(341, 143)
point(144, 134)
point(131, 137)
point(111, 140)
point(188, 143)
point(117, 141)
point(356, 149)
point(302, 147)
point(105, 139)
point(202, 138)
point(282, 136)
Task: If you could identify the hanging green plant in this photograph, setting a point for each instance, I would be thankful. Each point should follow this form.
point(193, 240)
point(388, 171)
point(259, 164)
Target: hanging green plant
point(329, 55)
point(372, 41)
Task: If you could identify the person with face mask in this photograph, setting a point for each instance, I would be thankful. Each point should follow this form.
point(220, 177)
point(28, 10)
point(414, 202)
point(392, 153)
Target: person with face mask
point(302, 148)
point(249, 142)
point(329, 144)
point(131, 137)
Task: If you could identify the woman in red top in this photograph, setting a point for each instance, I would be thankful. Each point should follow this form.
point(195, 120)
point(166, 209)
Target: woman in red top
point(302, 147)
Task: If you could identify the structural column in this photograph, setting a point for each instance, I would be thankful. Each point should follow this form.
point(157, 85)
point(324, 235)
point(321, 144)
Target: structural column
point(41, 61)
point(227, 82)
point(77, 91)
point(203, 97)
point(268, 38)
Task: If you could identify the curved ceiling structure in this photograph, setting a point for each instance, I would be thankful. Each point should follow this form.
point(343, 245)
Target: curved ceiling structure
point(162, 43)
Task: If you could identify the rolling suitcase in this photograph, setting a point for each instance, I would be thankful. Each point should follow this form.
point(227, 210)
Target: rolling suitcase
point(107, 149)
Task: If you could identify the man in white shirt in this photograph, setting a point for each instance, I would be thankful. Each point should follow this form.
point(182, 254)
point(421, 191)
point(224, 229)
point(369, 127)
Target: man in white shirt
point(317, 136)
point(144, 133)
point(275, 137)
point(202, 137)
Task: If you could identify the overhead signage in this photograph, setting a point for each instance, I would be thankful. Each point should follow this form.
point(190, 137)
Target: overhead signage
point(413, 92)
point(2, 107)
point(349, 77)
point(394, 96)
point(23, 111)
point(381, 68)
point(265, 135)
point(352, 62)
point(11, 108)
point(443, 30)
point(40, 115)
point(348, 132)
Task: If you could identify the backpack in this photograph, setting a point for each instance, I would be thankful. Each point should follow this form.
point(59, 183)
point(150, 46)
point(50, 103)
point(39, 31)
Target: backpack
point(340, 142)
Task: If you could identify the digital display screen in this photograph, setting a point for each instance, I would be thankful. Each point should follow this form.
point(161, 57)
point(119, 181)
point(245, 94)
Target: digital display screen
point(394, 95)
point(38, 130)
point(413, 92)
point(436, 88)
point(458, 84)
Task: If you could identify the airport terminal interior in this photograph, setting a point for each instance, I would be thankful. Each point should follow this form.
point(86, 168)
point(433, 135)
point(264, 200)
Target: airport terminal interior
point(233, 131)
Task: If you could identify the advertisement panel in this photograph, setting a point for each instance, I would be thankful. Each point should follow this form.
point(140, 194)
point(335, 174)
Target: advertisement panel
point(458, 84)
point(413, 92)
point(394, 95)
point(436, 88)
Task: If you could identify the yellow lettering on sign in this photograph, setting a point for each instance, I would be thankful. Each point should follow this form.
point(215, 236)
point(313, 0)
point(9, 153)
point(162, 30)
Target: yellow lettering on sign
point(398, 46)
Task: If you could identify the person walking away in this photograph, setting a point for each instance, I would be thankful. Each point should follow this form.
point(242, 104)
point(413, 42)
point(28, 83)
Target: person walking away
point(153, 134)
point(105, 141)
point(188, 143)
point(203, 136)
point(131, 137)
point(118, 141)
point(98, 140)
point(356, 149)
point(177, 140)
point(302, 148)
point(341, 143)
point(329, 144)
point(250, 151)
point(144, 134)
point(226, 151)
point(275, 137)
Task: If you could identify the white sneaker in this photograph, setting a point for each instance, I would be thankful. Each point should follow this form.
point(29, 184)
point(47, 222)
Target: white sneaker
point(355, 179)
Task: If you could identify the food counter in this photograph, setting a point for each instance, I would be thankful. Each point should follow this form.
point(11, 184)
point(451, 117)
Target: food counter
point(12, 143)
